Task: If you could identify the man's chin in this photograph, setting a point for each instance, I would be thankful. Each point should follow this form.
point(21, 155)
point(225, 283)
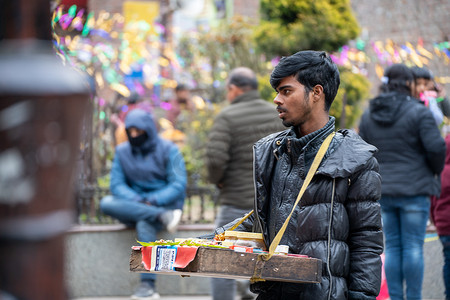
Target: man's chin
point(287, 123)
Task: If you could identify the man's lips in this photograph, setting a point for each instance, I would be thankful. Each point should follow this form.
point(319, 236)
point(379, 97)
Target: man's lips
point(281, 111)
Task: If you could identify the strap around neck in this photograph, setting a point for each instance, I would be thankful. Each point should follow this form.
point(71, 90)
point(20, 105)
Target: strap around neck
point(315, 165)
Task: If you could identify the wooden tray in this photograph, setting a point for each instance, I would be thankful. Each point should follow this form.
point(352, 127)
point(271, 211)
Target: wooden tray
point(225, 263)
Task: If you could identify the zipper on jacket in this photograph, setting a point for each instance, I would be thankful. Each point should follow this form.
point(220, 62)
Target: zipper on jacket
point(255, 199)
point(329, 240)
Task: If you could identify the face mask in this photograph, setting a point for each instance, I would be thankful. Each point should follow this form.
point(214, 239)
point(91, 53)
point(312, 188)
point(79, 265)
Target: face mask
point(139, 140)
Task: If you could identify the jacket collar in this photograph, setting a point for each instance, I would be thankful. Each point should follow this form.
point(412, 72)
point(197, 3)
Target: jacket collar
point(310, 141)
point(347, 151)
point(251, 95)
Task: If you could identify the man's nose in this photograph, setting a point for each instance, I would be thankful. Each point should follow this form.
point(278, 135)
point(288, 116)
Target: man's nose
point(277, 100)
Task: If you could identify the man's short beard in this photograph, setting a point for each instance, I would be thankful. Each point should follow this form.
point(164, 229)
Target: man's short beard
point(287, 123)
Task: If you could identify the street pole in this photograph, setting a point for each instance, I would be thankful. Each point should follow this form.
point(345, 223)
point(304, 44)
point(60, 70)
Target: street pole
point(42, 104)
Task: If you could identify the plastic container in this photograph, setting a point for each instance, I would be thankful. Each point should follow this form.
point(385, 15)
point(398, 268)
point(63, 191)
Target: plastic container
point(282, 249)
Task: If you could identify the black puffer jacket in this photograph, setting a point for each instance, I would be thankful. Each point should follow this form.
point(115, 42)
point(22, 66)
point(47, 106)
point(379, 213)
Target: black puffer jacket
point(337, 220)
point(411, 150)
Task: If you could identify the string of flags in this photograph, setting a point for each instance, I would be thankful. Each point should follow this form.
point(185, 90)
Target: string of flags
point(130, 57)
point(383, 53)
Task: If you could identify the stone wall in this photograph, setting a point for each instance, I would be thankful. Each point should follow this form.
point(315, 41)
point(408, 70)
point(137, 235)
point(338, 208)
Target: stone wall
point(405, 21)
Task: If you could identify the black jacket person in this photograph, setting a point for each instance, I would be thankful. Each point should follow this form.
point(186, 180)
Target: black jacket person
point(338, 218)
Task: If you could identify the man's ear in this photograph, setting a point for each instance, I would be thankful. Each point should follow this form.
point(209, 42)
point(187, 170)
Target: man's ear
point(317, 92)
point(232, 87)
point(234, 91)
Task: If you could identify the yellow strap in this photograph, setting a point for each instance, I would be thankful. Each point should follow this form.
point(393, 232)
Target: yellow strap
point(264, 257)
point(315, 165)
point(241, 220)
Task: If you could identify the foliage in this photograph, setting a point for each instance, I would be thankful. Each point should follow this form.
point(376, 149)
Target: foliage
point(289, 26)
point(196, 131)
point(103, 181)
point(265, 89)
point(209, 55)
point(356, 89)
point(230, 46)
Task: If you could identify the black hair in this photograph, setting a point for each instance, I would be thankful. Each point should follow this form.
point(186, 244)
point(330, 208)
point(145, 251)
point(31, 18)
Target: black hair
point(310, 68)
point(421, 73)
point(397, 78)
point(181, 87)
point(133, 98)
point(243, 78)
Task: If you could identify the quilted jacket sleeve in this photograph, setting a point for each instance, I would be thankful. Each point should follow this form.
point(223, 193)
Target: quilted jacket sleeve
point(365, 237)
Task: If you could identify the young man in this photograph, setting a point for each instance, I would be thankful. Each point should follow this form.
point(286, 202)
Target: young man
point(229, 157)
point(338, 217)
point(148, 182)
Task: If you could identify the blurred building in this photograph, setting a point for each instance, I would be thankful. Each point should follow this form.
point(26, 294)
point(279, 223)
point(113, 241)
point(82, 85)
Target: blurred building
point(411, 21)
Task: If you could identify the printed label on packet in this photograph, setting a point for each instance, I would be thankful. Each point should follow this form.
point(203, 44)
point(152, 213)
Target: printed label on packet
point(165, 258)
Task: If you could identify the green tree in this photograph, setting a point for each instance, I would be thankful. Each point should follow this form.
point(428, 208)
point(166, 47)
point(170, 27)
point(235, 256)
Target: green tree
point(352, 93)
point(224, 47)
point(288, 26)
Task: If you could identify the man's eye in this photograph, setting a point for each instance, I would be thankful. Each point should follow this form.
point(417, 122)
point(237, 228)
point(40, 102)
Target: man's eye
point(286, 92)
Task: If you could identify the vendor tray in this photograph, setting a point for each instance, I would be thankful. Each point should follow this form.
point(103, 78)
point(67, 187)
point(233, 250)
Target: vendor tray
point(226, 263)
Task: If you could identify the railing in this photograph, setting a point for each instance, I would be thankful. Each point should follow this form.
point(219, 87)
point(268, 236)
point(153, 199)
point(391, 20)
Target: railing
point(200, 205)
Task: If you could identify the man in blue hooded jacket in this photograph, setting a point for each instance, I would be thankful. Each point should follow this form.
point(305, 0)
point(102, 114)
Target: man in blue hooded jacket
point(148, 182)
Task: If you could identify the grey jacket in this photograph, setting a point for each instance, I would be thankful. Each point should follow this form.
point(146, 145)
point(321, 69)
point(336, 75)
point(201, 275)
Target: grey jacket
point(338, 219)
point(229, 151)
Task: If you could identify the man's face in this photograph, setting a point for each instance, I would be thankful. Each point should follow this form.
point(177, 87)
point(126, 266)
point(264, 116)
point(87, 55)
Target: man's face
point(183, 96)
point(293, 103)
point(232, 92)
point(135, 132)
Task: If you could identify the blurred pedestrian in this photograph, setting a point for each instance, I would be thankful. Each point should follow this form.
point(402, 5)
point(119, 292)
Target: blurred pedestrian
point(229, 157)
point(126, 105)
point(411, 157)
point(440, 215)
point(148, 182)
point(441, 97)
point(422, 81)
point(180, 104)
